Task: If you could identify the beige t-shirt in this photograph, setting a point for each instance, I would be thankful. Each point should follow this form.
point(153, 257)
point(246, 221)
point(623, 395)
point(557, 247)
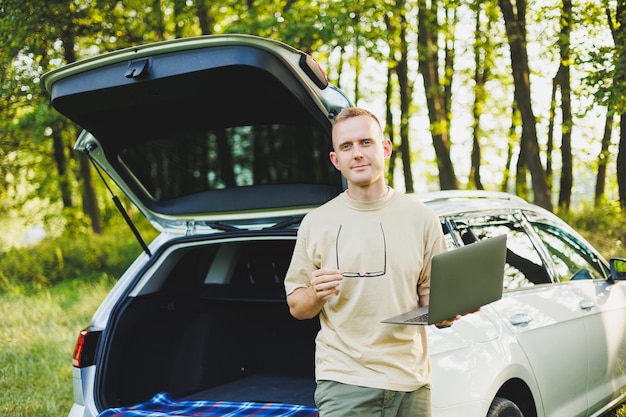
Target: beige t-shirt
point(395, 235)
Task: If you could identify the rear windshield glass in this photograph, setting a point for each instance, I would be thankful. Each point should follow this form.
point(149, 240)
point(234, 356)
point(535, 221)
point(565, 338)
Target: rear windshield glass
point(196, 161)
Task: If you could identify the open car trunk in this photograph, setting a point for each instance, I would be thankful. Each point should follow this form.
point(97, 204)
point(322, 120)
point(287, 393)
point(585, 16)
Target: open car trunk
point(199, 130)
point(212, 323)
point(222, 139)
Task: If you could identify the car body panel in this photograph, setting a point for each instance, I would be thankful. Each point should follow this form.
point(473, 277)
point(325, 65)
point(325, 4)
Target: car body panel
point(604, 311)
point(547, 324)
point(473, 370)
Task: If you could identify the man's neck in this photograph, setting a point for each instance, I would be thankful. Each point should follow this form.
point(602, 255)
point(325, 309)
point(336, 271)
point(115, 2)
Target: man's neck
point(368, 193)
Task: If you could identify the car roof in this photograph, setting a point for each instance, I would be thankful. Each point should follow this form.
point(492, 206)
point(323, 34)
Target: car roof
point(452, 202)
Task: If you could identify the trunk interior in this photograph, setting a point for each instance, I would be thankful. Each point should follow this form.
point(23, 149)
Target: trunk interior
point(212, 323)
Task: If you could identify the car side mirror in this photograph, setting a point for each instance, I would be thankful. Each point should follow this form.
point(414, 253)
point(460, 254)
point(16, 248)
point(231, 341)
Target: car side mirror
point(618, 269)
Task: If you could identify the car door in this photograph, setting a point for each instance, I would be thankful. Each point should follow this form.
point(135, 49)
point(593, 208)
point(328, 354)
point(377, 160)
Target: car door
point(543, 315)
point(602, 304)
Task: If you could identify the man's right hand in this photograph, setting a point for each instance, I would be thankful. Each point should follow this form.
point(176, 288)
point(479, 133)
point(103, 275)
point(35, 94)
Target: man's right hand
point(307, 302)
point(324, 282)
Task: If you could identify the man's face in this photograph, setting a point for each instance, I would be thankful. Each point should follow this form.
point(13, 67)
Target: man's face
point(360, 150)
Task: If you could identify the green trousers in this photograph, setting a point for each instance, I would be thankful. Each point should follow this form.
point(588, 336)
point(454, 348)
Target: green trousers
point(334, 399)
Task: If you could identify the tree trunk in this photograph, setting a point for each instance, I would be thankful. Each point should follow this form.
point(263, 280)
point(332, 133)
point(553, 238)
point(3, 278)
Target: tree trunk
point(480, 79)
point(357, 65)
point(521, 172)
point(406, 94)
point(504, 184)
point(619, 37)
point(512, 139)
point(563, 77)
point(204, 17)
point(157, 19)
point(551, 123)
point(60, 160)
point(389, 121)
point(567, 175)
point(428, 54)
point(603, 158)
point(389, 130)
point(516, 34)
point(621, 163)
point(90, 202)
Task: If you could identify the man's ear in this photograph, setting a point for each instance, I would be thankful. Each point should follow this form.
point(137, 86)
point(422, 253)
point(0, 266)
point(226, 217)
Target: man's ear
point(387, 148)
point(333, 159)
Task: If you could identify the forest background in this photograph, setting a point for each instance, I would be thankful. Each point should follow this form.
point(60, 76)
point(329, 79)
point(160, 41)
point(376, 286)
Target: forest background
point(497, 95)
point(488, 94)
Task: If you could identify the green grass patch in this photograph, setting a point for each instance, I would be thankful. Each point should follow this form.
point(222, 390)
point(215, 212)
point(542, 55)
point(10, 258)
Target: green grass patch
point(37, 336)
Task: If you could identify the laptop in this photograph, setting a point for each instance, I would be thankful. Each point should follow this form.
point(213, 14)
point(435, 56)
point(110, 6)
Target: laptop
point(461, 280)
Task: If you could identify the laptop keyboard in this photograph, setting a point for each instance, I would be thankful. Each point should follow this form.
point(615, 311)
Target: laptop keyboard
point(419, 319)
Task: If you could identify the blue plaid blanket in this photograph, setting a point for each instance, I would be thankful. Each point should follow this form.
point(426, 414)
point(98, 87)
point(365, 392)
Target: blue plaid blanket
point(162, 405)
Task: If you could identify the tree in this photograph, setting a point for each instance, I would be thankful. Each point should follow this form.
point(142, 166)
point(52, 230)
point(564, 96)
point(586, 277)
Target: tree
point(483, 61)
point(562, 82)
point(562, 79)
point(603, 82)
point(399, 61)
point(619, 37)
point(437, 83)
point(603, 158)
point(352, 39)
point(28, 31)
point(515, 22)
point(511, 139)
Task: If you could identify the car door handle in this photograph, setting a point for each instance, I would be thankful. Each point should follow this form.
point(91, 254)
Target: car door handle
point(586, 305)
point(520, 319)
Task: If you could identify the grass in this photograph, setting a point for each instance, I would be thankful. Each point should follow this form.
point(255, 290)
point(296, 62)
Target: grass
point(37, 336)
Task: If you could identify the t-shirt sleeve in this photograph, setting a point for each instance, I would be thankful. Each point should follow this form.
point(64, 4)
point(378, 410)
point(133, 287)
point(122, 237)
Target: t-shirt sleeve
point(300, 268)
point(435, 243)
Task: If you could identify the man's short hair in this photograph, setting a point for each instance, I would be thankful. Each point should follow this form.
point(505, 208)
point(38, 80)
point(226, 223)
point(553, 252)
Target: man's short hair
point(350, 112)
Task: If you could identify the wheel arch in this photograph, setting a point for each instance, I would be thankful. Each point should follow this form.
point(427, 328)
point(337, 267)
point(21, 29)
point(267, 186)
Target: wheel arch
point(519, 392)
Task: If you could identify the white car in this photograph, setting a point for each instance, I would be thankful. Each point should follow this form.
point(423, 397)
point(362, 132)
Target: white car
point(222, 143)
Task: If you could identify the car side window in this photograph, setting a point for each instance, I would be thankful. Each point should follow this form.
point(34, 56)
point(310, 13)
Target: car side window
point(524, 267)
point(572, 259)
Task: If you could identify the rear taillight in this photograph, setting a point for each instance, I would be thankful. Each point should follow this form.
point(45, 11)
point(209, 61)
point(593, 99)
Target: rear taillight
point(85, 349)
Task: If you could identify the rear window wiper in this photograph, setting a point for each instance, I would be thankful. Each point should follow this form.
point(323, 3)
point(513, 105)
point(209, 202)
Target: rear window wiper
point(285, 223)
point(223, 227)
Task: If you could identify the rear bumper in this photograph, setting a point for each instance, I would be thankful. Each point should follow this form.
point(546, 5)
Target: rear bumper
point(83, 385)
point(79, 411)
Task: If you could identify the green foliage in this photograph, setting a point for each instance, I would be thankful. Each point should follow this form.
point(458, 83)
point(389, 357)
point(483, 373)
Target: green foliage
point(357, 41)
point(603, 226)
point(83, 256)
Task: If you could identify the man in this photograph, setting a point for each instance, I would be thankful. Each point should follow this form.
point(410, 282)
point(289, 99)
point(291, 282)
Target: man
point(360, 258)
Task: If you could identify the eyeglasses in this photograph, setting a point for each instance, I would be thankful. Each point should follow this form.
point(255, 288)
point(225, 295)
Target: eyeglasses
point(364, 274)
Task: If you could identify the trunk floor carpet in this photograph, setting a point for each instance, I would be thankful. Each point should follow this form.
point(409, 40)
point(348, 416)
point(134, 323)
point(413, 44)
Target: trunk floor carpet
point(163, 404)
